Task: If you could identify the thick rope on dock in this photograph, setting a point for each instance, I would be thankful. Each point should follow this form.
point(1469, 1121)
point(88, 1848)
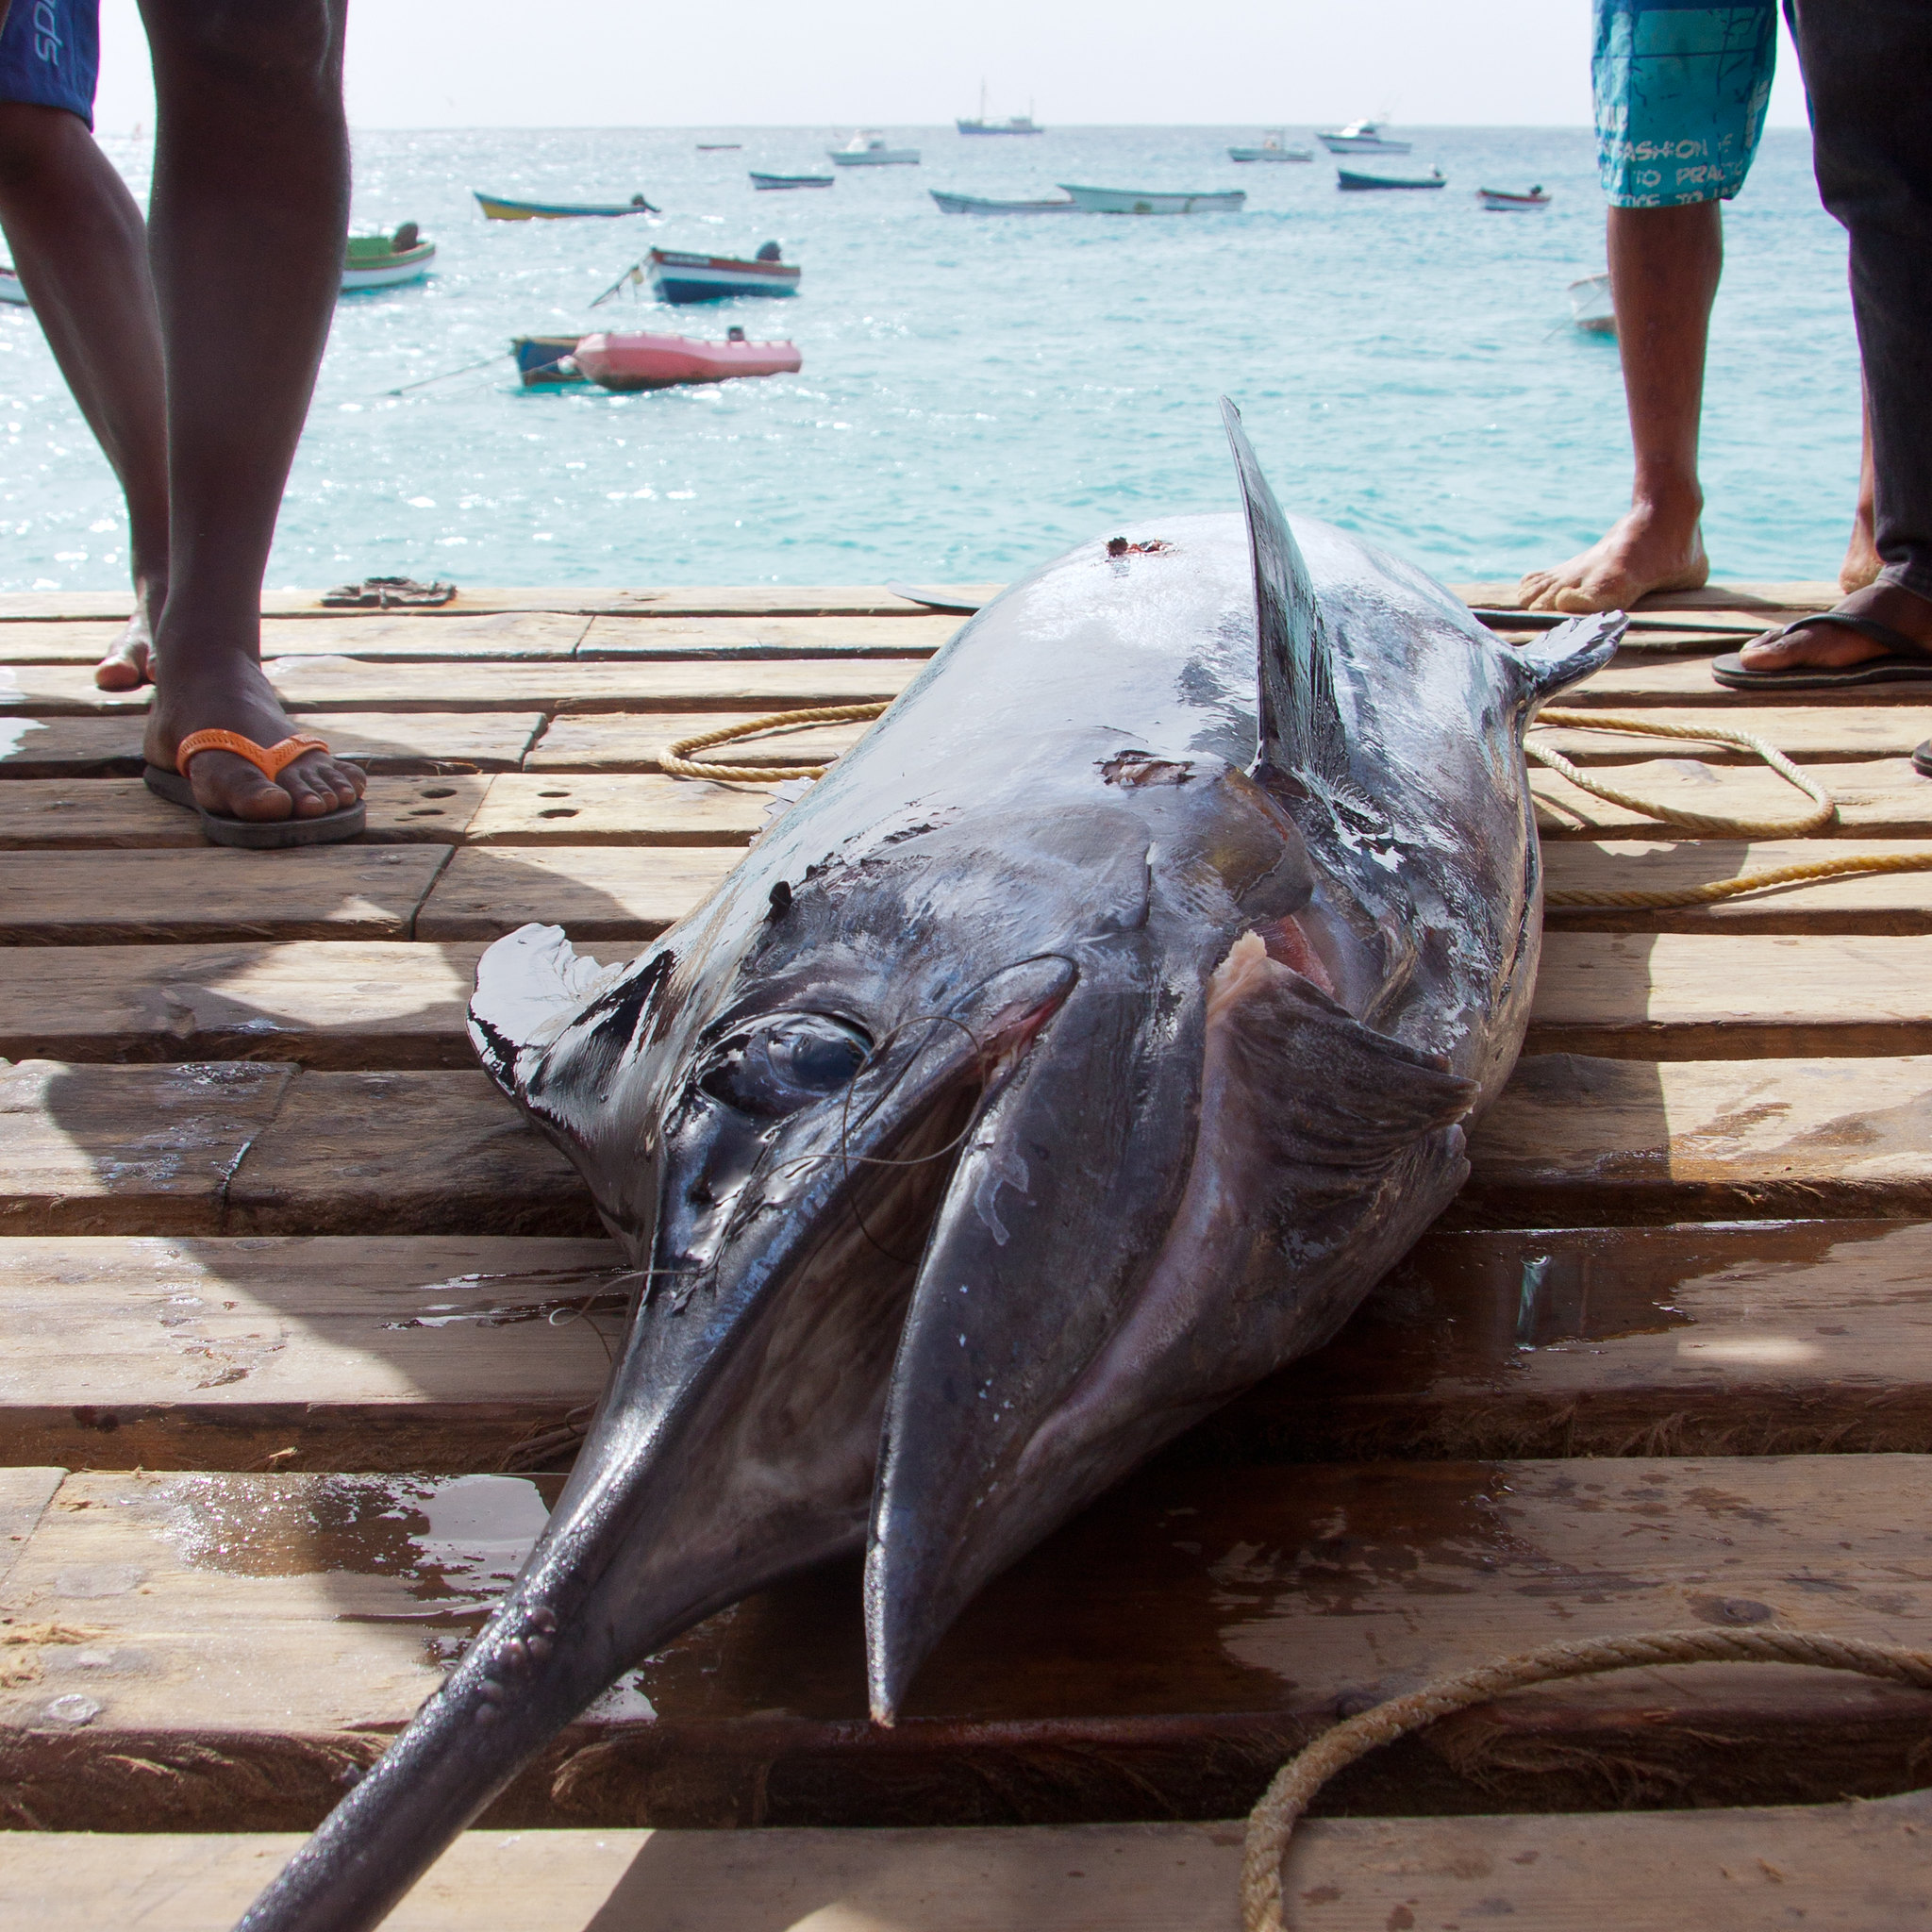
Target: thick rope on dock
point(678, 761)
point(1273, 1820)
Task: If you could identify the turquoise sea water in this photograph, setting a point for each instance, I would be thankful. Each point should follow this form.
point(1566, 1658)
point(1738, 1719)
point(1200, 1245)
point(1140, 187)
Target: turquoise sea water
point(977, 393)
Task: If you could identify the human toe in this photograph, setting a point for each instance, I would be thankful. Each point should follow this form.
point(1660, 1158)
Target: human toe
point(124, 667)
point(232, 787)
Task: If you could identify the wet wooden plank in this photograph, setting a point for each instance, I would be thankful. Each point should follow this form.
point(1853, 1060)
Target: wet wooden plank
point(626, 638)
point(406, 742)
point(594, 808)
point(1881, 798)
point(67, 814)
point(367, 1353)
point(1843, 1868)
point(1806, 734)
point(1577, 1138)
point(319, 1002)
point(1158, 1656)
point(1872, 903)
point(608, 893)
point(324, 684)
point(399, 1153)
point(128, 1150)
point(372, 1353)
point(632, 742)
point(1708, 996)
point(212, 892)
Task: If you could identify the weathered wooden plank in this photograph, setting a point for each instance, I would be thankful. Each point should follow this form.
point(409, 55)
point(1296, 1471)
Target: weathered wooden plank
point(323, 684)
point(632, 742)
point(624, 638)
point(409, 742)
point(1708, 996)
point(629, 808)
point(260, 1634)
point(1759, 600)
point(1883, 798)
point(1577, 1138)
point(318, 1003)
point(66, 814)
point(25, 1494)
point(400, 1153)
point(1840, 1868)
point(52, 641)
point(373, 634)
point(1826, 734)
point(438, 1354)
point(212, 892)
point(1873, 902)
point(128, 1150)
point(612, 894)
point(1642, 679)
point(435, 1353)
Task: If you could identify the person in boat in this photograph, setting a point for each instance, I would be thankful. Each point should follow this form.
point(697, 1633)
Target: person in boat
point(1681, 92)
point(768, 252)
point(232, 288)
point(1868, 82)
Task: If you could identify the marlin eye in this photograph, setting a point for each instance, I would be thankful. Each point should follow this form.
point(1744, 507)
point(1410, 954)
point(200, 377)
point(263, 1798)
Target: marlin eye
point(783, 1063)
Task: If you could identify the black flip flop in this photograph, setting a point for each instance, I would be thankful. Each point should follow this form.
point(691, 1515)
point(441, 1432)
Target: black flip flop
point(254, 835)
point(1922, 759)
point(1906, 661)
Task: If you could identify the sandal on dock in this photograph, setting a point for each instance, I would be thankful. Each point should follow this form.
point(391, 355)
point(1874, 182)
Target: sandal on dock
point(259, 835)
point(1906, 660)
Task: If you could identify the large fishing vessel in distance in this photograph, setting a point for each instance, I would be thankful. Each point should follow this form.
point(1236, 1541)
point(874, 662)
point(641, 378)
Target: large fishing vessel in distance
point(1360, 137)
point(1013, 124)
point(980, 205)
point(1139, 200)
point(1273, 147)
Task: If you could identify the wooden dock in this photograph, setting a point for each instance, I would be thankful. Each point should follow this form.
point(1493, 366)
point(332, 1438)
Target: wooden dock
point(300, 1320)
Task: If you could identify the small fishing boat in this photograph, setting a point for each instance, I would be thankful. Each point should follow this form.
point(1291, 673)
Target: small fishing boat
point(979, 204)
point(771, 181)
point(1500, 201)
point(10, 290)
point(1360, 137)
point(675, 277)
point(497, 208)
point(1273, 147)
point(381, 262)
point(720, 147)
point(543, 361)
point(1013, 124)
point(1141, 201)
point(647, 361)
point(869, 148)
point(1590, 307)
point(1353, 183)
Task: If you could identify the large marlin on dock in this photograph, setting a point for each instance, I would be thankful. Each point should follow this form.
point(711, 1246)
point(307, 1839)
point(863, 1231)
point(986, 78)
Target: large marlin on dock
point(1083, 1047)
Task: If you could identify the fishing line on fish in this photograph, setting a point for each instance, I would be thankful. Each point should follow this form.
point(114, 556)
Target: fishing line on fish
point(1273, 1820)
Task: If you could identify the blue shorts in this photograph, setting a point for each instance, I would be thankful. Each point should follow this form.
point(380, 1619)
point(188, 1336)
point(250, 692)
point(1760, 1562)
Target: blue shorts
point(50, 52)
point(1681, 91)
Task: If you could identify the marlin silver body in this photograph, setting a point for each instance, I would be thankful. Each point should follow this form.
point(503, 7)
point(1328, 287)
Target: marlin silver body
point(1084, 1046)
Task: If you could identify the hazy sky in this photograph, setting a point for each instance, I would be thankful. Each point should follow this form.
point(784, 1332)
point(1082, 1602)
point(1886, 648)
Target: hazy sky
point(600, 63)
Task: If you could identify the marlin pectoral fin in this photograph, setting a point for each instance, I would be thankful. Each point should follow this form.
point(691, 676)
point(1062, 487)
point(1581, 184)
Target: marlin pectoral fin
point(1555, 660)
point(1301, 732)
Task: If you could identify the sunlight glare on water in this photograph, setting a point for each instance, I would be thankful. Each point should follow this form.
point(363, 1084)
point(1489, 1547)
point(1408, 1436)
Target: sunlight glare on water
point(978, 393)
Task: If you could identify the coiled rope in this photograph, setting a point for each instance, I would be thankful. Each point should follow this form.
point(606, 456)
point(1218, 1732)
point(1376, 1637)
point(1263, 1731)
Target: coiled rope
point(682, 760)
point(678, 761)
point(1273, 1820)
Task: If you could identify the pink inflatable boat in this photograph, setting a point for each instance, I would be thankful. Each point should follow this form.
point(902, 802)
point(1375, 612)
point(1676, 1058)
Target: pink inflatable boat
point(641, 361)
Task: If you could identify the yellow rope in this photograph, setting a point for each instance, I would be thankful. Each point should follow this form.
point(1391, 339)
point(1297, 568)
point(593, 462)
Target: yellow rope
point(680, 762)
point(1273, 1820)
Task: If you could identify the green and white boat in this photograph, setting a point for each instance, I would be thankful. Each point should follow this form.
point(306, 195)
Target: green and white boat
point(381, 262)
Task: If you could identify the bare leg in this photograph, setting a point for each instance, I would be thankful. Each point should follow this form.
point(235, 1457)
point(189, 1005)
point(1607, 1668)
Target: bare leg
point(246, 231)
point(1664, 269)
point(81, 250)
point(1862, 561)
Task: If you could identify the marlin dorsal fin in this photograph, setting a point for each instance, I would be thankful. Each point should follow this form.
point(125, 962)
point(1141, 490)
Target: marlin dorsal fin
point(1301, 729)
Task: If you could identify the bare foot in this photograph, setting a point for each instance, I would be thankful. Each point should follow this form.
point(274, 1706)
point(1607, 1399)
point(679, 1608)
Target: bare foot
point(129, 661)
point(1862, 561)
point(1647, 549)
point(1830, 647)
point(234, 695)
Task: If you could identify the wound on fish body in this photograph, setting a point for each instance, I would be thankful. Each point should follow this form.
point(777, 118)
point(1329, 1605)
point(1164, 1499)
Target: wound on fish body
point(1084, 1046)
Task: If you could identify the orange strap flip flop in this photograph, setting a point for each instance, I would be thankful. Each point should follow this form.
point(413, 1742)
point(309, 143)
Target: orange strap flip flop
point(345, 821)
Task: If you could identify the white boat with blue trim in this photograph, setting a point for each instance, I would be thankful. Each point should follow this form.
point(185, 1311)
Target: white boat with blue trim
point(1360, 137)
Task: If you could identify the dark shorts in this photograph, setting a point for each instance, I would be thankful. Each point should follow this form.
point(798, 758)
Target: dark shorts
point(1681, 89)
point(50, 52)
